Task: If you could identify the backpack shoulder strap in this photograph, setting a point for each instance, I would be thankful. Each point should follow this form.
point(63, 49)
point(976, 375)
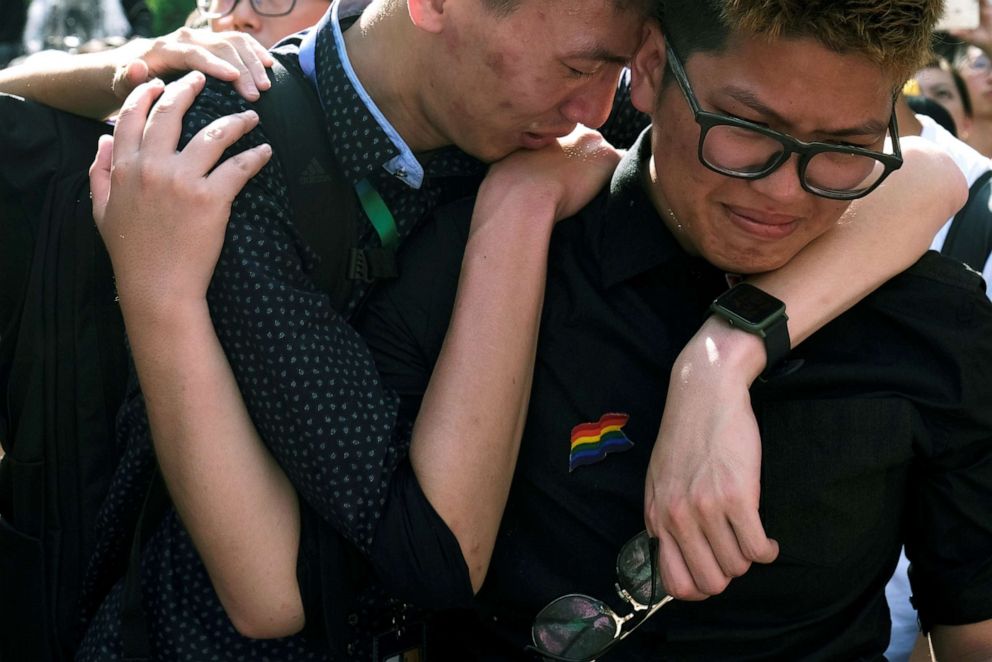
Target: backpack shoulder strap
point(969, 238)
point(325, 211)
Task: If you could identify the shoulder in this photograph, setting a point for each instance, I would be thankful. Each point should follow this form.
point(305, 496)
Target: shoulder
point(946, 283)
point(421, 299)
point(217, 99)
point(926, 334)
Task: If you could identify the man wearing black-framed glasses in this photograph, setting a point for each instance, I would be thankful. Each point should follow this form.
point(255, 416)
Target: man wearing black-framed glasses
point(876, 432)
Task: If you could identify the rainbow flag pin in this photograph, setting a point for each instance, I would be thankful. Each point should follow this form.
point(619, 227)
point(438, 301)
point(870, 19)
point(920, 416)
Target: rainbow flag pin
point(591, 442)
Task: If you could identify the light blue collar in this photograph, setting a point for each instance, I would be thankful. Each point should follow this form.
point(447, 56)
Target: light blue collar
point(404, 165)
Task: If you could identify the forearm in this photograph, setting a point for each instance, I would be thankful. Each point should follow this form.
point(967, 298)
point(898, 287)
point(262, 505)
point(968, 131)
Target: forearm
point(80, 84)
point(467, 433)
point(879, 237)
point(225, 485)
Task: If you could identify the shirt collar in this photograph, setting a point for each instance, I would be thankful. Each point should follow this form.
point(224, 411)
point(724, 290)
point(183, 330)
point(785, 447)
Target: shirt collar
point(363, 139)
point(633, 238)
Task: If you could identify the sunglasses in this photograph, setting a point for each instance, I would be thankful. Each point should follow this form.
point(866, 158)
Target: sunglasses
point(580, 628)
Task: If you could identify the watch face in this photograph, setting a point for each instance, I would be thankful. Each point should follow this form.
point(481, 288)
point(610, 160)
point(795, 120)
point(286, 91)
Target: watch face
point(752, 304)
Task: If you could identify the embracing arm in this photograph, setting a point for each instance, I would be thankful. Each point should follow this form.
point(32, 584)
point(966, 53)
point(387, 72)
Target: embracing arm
point(467, 434)
point(207, 447)
point(702, 487)
point(95, 84)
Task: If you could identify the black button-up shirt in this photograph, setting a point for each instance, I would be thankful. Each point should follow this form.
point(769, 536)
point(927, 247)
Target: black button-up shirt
point(882, 436)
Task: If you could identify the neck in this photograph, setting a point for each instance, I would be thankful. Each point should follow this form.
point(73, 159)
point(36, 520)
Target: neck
point(980, 136)
point(674, 224)
point(395, 82)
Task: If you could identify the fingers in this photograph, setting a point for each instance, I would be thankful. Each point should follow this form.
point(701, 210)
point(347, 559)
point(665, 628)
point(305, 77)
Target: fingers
point(255, 60)
point(227, 180)
point(696, 572)
point(700, 561)
point(165, 121)
point(100, 178)
point(675, 574)
point(128, 77)
point(208, 145)
point(750, 536)
point(133, 116)
point(235, 57)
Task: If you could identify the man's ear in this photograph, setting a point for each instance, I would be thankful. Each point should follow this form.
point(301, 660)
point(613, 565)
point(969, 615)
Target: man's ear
point(647, 69)
point(427, 14)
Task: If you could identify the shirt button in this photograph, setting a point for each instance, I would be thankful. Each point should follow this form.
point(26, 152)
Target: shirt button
point(353, 619)
point(401, 173)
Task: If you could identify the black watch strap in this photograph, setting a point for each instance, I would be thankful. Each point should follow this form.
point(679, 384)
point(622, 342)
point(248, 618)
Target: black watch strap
point(755, 311)
point(777, 344)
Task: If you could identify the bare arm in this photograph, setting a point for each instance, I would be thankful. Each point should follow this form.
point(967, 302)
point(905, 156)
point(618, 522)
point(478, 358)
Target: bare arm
point(467, 433)
point(207, 447)
point(95, 84)
point(962, 643)
point(702, 486)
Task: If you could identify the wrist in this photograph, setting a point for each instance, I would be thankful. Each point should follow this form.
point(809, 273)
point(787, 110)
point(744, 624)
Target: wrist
point(731, 353)
point(166, 314)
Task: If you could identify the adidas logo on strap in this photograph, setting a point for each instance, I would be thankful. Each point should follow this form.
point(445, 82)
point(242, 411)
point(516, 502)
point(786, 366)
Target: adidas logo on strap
point(314, 173)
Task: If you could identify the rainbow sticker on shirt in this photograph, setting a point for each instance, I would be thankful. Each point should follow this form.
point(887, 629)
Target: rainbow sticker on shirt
point(591, 442)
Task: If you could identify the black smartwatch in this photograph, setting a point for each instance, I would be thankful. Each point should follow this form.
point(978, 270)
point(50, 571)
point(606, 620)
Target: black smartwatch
point(748, 308)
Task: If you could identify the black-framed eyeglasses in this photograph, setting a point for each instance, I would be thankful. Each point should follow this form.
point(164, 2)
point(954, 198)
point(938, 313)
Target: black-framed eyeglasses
point(580, 628)
point(738, 148)
point(219, 8)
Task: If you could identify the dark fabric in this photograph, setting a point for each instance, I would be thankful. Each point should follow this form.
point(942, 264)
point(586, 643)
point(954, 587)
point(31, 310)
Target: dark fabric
point(881, 437)
point(306, 376)
point(413, 552)
point(62, 371)
point(13, 17)
point(969, 238)
point(139, 16)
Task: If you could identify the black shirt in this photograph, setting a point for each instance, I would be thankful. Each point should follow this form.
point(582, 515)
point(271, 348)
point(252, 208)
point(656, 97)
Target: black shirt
point(881, 436)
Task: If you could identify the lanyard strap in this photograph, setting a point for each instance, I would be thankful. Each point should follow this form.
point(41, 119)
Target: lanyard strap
point(377, 211)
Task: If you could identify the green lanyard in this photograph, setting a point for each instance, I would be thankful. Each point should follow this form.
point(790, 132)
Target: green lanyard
point(377, 211)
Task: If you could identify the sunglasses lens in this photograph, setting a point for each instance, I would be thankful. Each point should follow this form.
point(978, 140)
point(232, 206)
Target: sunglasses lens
point(575, 627)
point(634, 570)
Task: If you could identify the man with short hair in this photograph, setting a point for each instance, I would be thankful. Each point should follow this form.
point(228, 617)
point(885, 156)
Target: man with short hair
point(768, 119)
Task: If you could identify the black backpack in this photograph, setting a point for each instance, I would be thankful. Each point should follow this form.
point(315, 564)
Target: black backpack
point(63, 361)
point(969, 239)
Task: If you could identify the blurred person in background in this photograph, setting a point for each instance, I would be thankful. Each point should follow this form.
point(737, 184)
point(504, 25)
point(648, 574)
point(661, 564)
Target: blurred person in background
point(940, 82)
point(972, 62)
point(267, 21)
point(95, 84)
point(976, 70)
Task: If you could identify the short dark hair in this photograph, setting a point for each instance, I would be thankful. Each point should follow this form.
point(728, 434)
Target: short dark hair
point(894, 34)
